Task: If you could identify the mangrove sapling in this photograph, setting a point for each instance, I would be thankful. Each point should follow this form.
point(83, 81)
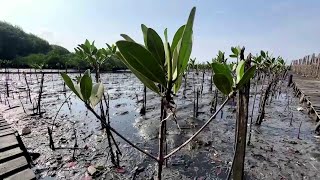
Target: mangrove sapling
point(91, 95)
point(149, 66)
point(96, 57)
point(275, 67)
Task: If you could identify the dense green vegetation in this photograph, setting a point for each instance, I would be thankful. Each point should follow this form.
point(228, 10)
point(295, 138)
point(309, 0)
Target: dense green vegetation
point(19, 49)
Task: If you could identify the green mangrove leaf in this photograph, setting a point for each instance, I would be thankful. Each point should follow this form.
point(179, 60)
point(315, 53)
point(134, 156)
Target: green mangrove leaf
point(220, 68)
point(142, 61)
point(186, 43)
point(69, 83)
point(177, 84)
point(155, 46)
point(235, 51)
point(78, 90)
point(167, 51)
point(126, 37)
point(87, 43)
point(175, 56)
point(222, 82)
point(166, 35)
point(240, 70)
point(144, 29)
point(147, 82)
point(96, 94)
point(177, 37)
point(246, 77)
point(86, 87)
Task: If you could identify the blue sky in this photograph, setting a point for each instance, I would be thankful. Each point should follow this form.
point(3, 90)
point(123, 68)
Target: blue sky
point(289, 28)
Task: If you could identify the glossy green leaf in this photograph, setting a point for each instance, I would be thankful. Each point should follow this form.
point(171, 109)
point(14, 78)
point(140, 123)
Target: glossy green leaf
point(155, 46)
point(69, 83)
point(235, 51)
point(126, 37)
point(233, 56)
point(147, 82)
point(87, 43)
point(78, 90)
point(96, 94)
point(144, 29)
point(220, 68)
point(186, 43)
point(142, 61)
point(109, 47)
point(167, 50)
point(166, 35)
point(246, 77)
point(175, 56)
point(240, 70)
point(86, 87)
point(222, 83)
point(177, 37)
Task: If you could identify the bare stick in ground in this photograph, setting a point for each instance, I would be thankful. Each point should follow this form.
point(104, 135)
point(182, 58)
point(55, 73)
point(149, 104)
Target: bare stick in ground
point(24, 110)
point(39, 97)
point(28, 89)
point(299, 130)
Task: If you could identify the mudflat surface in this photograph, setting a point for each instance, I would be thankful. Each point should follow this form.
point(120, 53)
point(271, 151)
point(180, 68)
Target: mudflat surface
point(276, 151)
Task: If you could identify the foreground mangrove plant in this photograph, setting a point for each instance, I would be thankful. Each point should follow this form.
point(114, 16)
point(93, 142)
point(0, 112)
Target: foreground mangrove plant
point(160, 66)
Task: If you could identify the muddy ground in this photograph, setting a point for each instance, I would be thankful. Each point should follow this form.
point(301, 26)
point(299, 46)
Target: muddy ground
point(276, 151)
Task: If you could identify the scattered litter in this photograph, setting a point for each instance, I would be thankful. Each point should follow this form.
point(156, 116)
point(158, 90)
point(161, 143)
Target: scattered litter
point(91, 170)
point(300, 108)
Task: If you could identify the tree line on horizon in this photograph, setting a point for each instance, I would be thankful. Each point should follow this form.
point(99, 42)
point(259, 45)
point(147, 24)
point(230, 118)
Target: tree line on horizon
point(19, 49)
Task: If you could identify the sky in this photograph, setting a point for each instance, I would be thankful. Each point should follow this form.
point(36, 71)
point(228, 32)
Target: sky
point(287, 28)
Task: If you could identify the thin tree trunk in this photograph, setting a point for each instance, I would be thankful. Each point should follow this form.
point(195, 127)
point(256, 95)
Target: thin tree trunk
point(28, 89)
point(263, 104)
point(241, 134)
point(161, 141)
